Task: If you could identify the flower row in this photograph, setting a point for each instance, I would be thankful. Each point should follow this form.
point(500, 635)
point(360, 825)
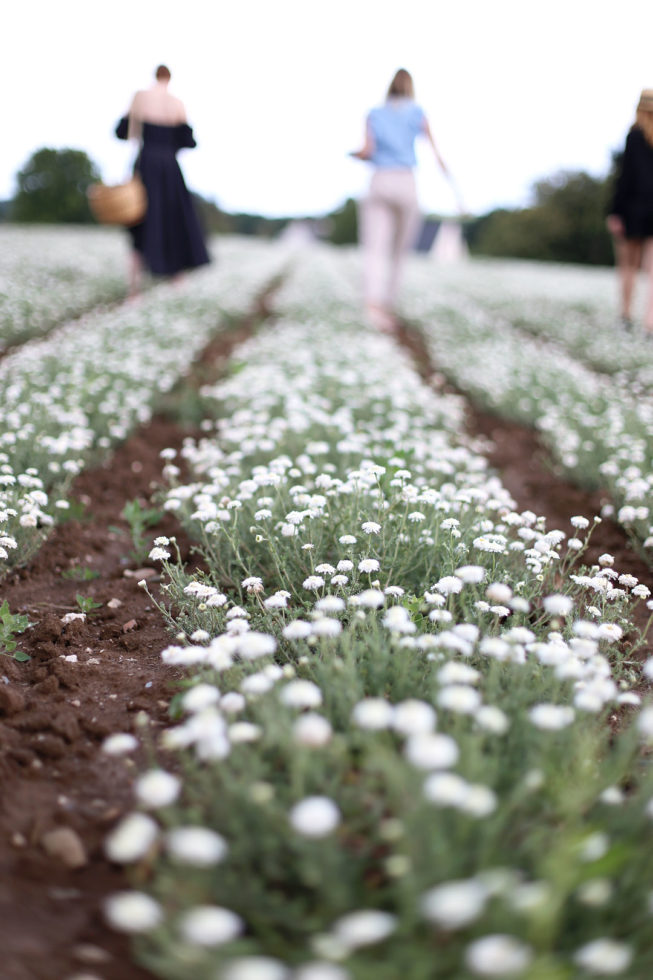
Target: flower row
point(391, 753)
point(71, 395)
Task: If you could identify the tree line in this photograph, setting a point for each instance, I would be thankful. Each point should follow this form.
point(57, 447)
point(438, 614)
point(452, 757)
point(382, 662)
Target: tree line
point(564, 223)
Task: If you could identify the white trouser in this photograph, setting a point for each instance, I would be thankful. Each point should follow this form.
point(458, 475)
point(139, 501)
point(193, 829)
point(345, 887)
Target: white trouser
point(389, 219)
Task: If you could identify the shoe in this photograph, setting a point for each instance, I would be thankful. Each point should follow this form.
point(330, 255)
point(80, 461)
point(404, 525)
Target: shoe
point(626, 323)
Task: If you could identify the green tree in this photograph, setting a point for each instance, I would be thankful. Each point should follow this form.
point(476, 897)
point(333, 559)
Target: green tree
point(566, 223)
point(343, 224)
point(52, 187)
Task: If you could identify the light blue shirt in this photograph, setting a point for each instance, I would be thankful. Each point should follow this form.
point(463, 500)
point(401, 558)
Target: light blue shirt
point(394, 127)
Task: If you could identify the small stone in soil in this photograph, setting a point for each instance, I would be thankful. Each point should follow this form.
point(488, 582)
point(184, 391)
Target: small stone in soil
point(87, 953)
point(114, 604)
point(65, 844)
point(129, 625)
point(140, 573)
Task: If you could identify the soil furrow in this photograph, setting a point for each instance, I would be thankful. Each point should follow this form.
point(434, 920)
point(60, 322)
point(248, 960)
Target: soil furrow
point(84, 681)
point(528, 472)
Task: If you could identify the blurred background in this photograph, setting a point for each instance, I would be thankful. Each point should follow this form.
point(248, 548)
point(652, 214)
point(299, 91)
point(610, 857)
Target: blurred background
point(528, 106)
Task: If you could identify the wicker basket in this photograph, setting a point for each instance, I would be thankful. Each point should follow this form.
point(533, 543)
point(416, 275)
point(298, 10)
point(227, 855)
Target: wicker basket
point(118, 204)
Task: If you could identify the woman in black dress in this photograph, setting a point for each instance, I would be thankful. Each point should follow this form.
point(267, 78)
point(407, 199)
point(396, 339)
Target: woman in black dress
point(631, 216)
point(169, 239)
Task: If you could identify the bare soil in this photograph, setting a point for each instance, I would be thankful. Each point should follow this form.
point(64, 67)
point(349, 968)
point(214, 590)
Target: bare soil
point(88, 679)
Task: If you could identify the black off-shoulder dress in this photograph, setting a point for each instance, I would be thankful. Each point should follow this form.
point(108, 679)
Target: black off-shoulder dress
point(633, 194)
point(170, 237)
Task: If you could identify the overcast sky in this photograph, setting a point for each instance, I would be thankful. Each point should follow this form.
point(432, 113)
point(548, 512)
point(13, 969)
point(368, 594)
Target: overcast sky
point(277, 90)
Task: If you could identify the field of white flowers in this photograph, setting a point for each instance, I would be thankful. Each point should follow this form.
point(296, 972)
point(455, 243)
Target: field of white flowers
point(412, 739)
point(392, 754)
point(68, 397)
point(540, 345)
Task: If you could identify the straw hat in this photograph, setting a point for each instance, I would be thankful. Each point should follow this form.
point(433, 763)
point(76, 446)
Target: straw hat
point(646, 100)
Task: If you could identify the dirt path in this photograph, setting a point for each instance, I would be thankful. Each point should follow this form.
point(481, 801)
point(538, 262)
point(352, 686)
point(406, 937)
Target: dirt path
point(86, 680)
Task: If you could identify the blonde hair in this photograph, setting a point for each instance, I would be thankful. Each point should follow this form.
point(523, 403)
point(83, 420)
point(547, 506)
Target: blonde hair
point(402, 85)
point(644, 120)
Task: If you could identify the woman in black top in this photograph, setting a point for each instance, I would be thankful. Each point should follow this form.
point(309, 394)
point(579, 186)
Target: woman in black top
point(169, 239)
point(631, 216)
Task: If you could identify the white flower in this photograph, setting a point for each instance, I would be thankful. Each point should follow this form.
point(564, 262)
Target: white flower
point(200, 636)
point(132, 912)
point(492, 719)
point(315, 816)
point(253, 645)
point(594, 847)
point(255, 968)
point(480, 801)
point(612, 796)
point(595, 892)
point(610, 632)
point(369, 599)
point(200, 847)
point(454, 672)
point(157, 788)
point(558, 605)
point(256, 684)
point(604, 957)
point(498, 592)
point(412, 717)
point(312, 729)
point(119, 744)
point(454, 904)
point(347, 539)
point(320, 971)
point(210, 925)
point(461, 698)
point(313, 583)
point(449, 585)
point(131, 839)
point(370, 527)
point(429, 750)
point(497, 956)
point(471, 574)
point(243, 732)
point(580, 522)
point(199, 697)
point(159, 554)
point(364, 927)
point(326, 627)
point(276, 601)
point(645, 724)
point(551, 717)
point(397, 620)
point(373, 714)
point(330, 604)
point(301, 694)
point(232, 702)
point(368, 565)
point(446, 789)
point(325, 569)
point(299, 629)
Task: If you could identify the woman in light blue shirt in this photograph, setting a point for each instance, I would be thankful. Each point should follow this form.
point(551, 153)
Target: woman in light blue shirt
point(389, 215)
